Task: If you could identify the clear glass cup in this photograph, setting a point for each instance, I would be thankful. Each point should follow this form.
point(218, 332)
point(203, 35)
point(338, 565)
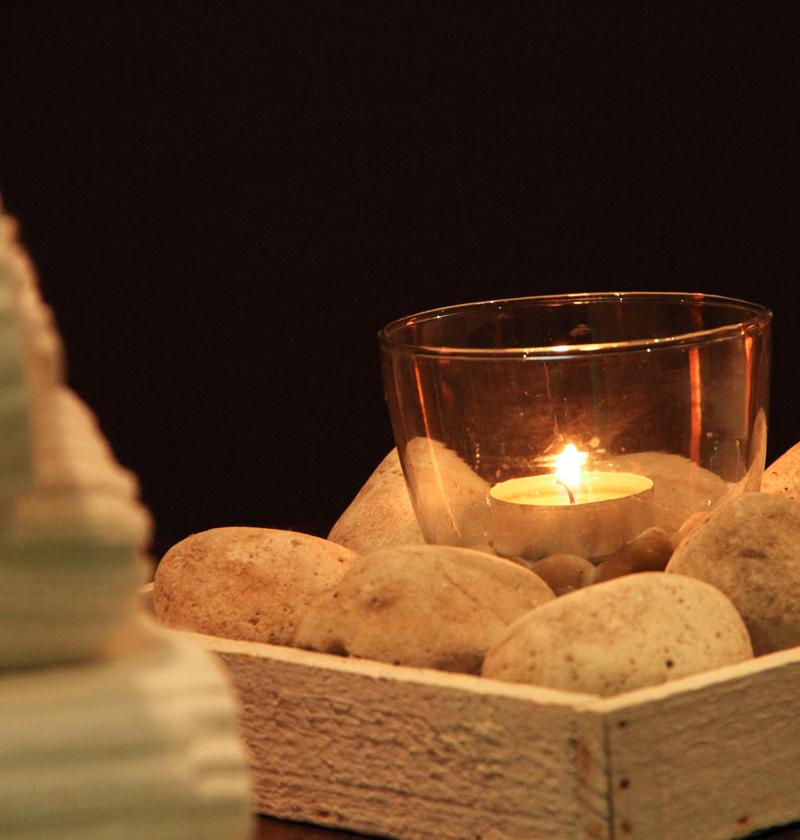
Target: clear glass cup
point(663, 397)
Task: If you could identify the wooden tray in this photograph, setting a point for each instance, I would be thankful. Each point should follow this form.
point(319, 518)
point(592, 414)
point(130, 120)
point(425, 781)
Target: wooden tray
point(416, 753)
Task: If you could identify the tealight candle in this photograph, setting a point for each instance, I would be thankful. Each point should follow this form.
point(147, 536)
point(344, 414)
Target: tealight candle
point(572, 511)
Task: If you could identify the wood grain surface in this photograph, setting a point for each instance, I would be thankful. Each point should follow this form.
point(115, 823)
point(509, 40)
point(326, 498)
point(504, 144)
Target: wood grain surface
point(415, 753)
point(714, 760)
point(410, 753)
point(402, 752)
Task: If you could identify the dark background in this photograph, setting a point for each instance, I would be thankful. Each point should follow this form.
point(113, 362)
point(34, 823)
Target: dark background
point(226, 201)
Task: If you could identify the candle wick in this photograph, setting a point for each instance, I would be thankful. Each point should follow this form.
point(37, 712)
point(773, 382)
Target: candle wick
point(568, 489)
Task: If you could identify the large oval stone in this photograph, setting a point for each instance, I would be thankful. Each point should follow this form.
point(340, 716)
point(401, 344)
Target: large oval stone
point(749, 548)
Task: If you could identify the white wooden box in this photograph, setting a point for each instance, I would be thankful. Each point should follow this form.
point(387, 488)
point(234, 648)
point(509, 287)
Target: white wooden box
point(416, 753)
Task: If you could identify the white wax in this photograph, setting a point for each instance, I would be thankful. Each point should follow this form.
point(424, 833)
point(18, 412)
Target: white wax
point(533, 516)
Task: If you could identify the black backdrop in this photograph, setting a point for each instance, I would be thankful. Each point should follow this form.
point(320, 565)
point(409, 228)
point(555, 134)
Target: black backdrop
point(226, 201)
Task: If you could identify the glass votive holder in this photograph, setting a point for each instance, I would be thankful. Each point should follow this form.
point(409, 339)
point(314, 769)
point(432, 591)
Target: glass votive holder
point(572, 423)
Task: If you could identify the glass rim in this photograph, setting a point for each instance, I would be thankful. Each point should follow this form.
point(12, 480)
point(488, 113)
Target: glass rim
point(759, 316)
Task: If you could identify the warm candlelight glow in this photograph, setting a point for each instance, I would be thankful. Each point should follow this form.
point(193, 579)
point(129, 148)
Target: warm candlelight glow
point(571, 510)
point(568, 466)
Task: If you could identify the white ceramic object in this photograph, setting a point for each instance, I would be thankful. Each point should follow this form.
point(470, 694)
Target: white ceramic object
point(142, 744)
point(131, 732)
point(71, 526)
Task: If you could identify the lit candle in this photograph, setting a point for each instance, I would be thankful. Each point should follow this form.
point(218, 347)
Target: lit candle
point(571, 511)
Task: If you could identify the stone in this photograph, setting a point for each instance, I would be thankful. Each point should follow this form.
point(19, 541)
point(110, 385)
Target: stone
point(749, 548)
point(252, 584)
point(564, 572)
point(452, 501)
point(624, 634)
point(680, 487)
point(428, 606)
point(648, 552)
point(381, 514)
point(783, 475)
point(689, 527)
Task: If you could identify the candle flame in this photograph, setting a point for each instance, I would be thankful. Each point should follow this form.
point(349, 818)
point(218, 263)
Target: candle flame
point(568, 465)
